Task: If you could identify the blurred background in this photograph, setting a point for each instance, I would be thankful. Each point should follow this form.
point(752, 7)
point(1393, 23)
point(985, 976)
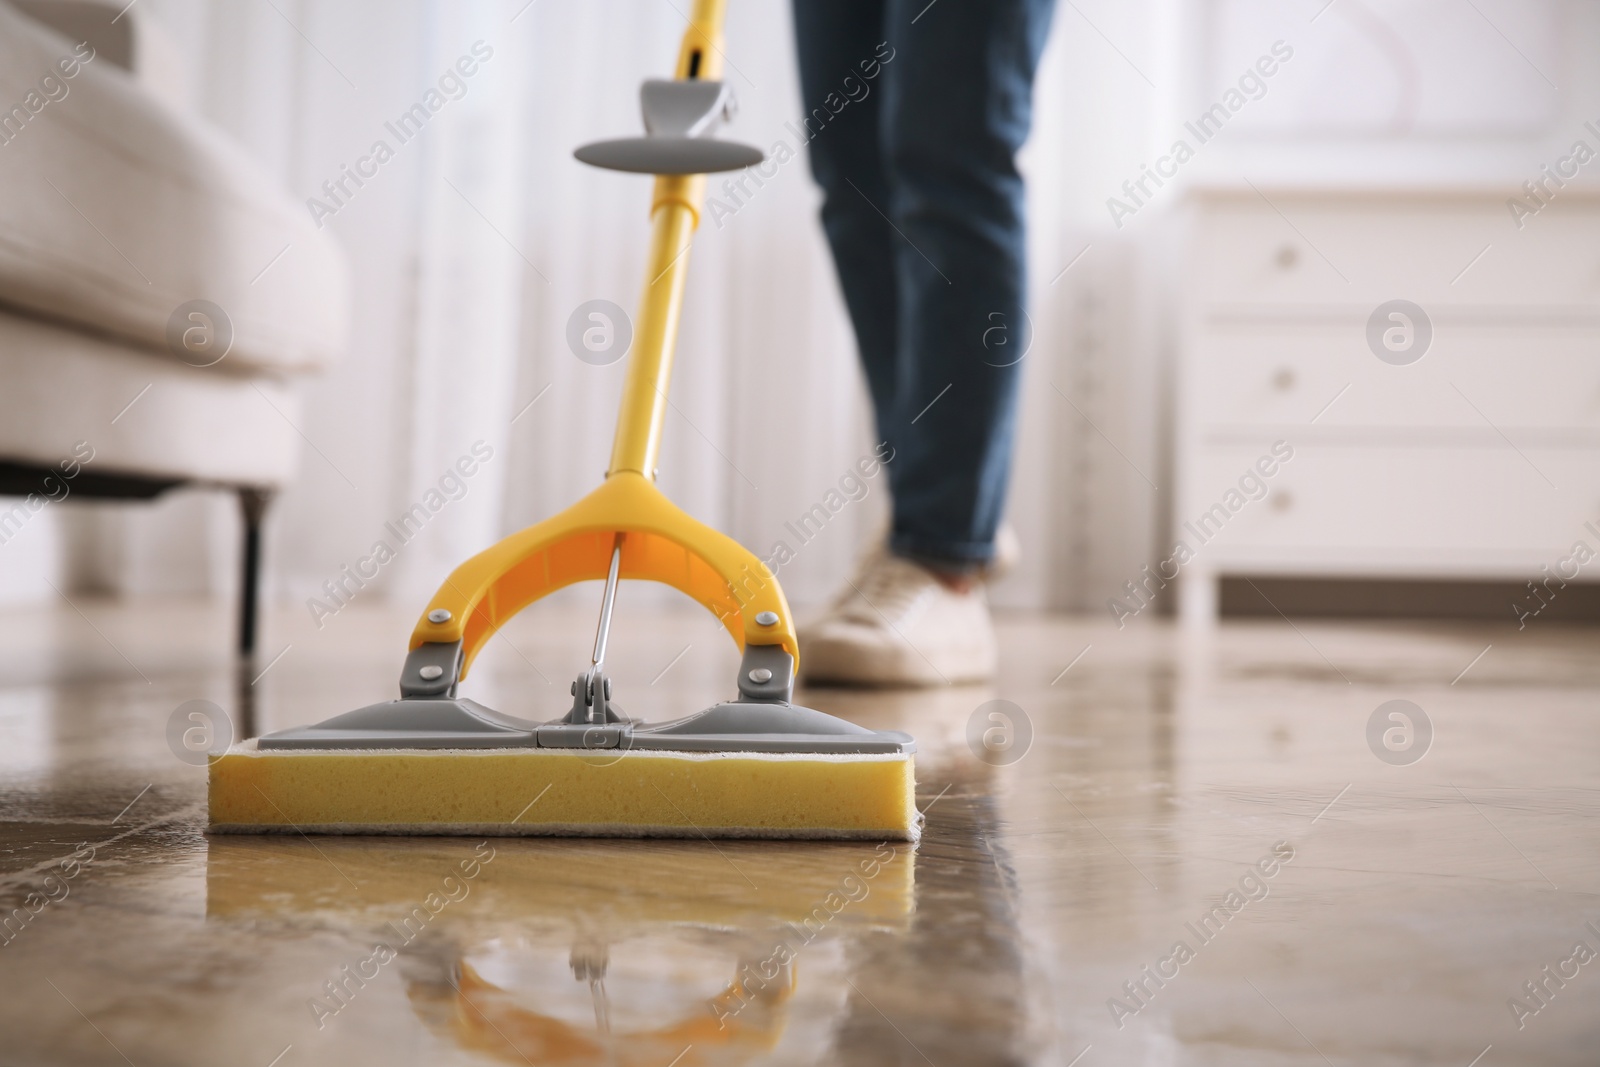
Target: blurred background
point(1178, 329)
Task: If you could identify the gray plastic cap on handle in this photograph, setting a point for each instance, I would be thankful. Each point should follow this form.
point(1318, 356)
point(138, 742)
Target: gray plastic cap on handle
point(679, 120)
point(669, 155)
point(684, 108)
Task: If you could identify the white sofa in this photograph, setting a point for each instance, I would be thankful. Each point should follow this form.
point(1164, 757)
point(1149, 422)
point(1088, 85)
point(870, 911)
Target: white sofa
point(120, 209)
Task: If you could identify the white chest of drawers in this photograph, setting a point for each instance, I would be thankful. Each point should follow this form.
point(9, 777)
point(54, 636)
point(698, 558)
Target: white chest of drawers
point(1480, 459)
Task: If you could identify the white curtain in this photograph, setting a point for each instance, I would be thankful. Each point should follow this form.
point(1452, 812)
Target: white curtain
point(475, 244)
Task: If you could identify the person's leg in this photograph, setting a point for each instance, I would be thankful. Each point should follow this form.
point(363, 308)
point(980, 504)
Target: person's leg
point(923, 213)
point(956, 107)
point(840, 45)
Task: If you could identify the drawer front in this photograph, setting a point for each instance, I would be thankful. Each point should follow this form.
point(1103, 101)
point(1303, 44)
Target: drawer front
point(1327, 250)
point(1402, 503)
point(1477, 377)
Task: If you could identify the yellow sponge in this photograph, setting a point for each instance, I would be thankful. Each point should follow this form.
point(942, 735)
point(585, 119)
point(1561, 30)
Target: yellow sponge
point(530, 791)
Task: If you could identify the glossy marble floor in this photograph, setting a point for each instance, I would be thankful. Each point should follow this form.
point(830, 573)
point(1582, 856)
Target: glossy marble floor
point(1209, 851)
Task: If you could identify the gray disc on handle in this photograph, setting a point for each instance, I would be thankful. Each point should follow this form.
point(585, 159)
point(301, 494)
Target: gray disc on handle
point(669, 155)
point(679, 120)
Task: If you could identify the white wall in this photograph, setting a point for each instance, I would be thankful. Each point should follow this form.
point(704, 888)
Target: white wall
point(462, 294)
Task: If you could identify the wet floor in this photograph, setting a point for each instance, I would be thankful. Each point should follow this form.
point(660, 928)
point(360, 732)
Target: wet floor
point(1157, 850)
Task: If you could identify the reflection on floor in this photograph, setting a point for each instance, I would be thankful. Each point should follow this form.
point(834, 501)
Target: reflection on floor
point(1163, 850)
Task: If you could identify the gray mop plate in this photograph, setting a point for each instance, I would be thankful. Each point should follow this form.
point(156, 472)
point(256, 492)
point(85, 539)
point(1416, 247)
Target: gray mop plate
point(736, 726)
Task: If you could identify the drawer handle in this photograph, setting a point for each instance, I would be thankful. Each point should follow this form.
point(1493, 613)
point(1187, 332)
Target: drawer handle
point(1283, 379)
point(1282, 500)
point(1288, 256)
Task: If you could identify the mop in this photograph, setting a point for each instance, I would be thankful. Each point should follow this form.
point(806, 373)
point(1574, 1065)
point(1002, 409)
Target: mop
point(757, 765)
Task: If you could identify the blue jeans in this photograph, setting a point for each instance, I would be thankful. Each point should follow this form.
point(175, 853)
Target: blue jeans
point(914, 113)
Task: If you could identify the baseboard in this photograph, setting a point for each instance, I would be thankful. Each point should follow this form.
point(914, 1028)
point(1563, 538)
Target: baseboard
point(1408, 599)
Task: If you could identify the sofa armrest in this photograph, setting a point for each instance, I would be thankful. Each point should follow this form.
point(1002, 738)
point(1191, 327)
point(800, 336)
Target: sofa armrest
point(122, 35)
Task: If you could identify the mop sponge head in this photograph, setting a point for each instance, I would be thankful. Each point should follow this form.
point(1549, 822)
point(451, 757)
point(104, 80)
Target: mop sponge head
point(530, 791)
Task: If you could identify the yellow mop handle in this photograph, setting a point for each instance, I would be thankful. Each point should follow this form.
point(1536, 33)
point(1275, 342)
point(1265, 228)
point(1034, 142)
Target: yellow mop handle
point(674, 215)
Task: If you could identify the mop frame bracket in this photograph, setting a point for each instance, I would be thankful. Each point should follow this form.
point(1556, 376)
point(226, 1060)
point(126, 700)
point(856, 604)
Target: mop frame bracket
point(660, 543)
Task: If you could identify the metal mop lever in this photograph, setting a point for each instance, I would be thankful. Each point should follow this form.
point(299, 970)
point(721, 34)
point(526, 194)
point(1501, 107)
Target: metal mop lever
point(594, 682)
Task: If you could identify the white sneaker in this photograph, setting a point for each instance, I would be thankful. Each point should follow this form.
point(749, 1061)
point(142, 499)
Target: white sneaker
point(896, 624)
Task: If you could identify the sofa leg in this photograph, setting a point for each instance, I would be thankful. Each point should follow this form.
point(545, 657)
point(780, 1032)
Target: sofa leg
point(253, 506)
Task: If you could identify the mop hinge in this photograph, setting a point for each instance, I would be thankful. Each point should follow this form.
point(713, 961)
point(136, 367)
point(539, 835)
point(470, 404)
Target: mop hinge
point(591, 701)
point(766, 675)
point(432, 670)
